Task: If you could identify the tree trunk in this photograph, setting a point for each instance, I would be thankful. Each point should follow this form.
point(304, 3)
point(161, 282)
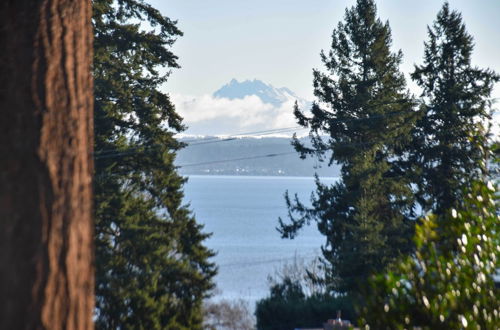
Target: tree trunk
point(46, 139)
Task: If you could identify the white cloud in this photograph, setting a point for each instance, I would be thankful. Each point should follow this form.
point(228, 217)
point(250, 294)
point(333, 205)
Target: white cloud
point(207, 115)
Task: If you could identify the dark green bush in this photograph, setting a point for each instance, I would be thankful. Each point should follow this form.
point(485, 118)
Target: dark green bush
point(287, 308)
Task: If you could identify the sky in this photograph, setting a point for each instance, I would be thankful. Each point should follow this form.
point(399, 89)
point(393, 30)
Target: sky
point(279, 41)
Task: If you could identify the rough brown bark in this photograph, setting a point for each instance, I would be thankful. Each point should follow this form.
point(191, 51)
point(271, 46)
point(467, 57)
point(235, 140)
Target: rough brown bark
point(46, 129)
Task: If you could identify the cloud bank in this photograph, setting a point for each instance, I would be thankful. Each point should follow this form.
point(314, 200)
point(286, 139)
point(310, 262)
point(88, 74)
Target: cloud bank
point(209, 115)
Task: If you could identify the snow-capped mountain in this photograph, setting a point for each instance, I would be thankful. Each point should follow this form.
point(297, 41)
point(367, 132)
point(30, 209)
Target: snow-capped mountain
point(266, 92)
point(239, 107)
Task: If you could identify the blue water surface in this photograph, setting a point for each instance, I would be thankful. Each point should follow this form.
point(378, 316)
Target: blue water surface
point(242, 214)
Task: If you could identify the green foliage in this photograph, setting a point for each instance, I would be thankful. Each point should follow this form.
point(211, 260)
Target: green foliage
point(447, 283)
point(456, 105)
point(288, 307)
point(493, 170)
point(152, 269)
point(366, 114)
point(298, 298)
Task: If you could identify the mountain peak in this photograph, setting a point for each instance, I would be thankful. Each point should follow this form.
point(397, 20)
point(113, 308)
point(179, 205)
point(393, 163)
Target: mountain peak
point(266, 92)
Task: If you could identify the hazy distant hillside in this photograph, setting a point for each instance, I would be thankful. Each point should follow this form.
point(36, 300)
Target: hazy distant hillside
point(204, 150)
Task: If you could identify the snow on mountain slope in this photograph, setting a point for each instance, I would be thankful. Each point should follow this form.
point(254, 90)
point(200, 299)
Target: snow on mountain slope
point(266, 92)
point(237, 107)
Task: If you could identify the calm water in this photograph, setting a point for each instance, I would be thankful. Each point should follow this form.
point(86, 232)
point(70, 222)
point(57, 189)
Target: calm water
point(242, 213)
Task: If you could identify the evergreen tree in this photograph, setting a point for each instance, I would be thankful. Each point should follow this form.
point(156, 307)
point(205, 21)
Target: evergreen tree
point(152, 267)
point(362, 122)
point(448, 282)
point(456, 96)
point(288, 307)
